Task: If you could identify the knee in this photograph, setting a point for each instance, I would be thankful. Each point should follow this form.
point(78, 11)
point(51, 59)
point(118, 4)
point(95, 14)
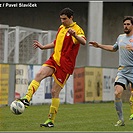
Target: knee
point(53, 93)
point(118, 92)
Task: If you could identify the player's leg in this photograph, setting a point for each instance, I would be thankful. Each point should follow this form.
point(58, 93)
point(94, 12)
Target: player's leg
point(44, 72)
point(60, 78)
point(118, 103)
point(54, 105)
point(55, 101)
point(131, 102)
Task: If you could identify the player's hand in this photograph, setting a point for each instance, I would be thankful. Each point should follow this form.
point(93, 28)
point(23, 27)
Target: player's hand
point(36, 44)
point(129, 47)
point(71, 32)
point(94, 44)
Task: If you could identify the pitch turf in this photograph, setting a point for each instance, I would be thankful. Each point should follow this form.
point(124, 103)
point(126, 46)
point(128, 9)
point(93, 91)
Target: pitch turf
point(76, 117)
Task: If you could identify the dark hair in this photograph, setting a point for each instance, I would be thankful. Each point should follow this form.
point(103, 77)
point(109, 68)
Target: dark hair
point(128, 18)
point(67, 11)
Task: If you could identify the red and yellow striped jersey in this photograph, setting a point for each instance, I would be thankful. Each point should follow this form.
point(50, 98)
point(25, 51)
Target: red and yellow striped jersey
point(66, 47)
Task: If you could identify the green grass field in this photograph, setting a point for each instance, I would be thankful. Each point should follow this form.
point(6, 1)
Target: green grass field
point(76, 117)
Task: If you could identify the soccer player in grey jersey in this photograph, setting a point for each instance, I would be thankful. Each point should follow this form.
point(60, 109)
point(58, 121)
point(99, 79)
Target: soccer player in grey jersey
point(124, 76)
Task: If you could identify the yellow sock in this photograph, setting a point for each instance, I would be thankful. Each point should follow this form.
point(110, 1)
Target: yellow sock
point(32, 89)
point(131, 104)
point(54, 108)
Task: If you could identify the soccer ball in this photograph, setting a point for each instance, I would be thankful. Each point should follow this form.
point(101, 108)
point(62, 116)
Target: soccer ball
point(17, 107)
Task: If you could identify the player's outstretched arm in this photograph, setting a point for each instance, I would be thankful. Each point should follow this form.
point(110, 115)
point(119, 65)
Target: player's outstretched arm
point(36, 44)
point(105, 47)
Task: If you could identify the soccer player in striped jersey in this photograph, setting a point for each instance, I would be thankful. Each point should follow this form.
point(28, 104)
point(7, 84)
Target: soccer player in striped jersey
point(124, 76)
point(61, 63)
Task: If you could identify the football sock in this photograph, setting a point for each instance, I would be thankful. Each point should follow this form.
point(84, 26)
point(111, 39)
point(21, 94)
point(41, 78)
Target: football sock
point(131, 104)
point(32, 89)
point(54, 108)
point(118, 106)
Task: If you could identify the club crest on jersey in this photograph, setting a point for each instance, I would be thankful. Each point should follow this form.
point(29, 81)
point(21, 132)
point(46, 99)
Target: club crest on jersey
point(68, 34)
point(59, 79)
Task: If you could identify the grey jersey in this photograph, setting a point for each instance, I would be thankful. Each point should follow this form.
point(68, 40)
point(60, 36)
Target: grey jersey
point(125, 56)
point(125, 70)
